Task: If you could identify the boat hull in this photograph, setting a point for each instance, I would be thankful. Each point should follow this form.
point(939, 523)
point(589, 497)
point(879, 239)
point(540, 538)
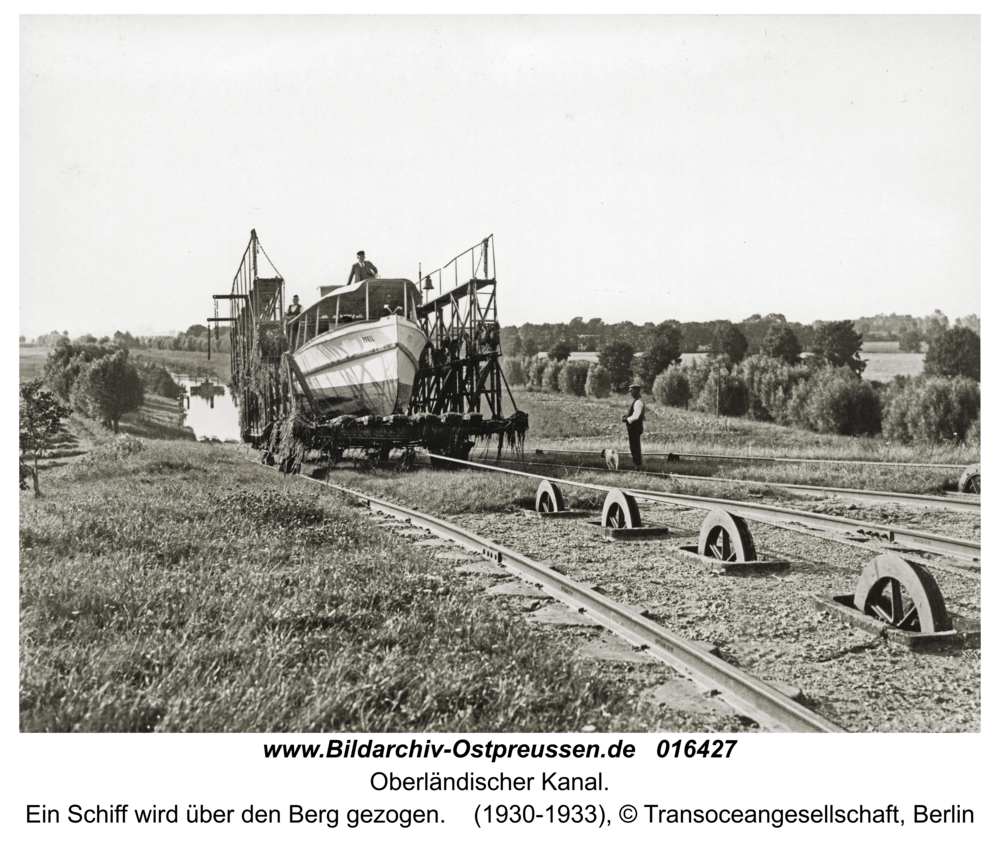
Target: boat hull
point(362, 368)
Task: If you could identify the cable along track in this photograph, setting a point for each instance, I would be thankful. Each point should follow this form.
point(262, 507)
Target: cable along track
point(949, 501)
point(966, 552)
point(748, 695)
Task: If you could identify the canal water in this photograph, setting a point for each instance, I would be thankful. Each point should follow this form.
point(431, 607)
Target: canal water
point(209, 408)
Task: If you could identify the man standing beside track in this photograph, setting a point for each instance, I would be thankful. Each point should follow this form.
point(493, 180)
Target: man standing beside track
point(633, 423)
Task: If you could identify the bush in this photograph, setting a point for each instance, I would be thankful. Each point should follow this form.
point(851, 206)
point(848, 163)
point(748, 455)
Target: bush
point(840, 345)
point(954, 352)
point(671, 388)
point(550, 377)
point(107, 388)
point(782, 342)
point(699, 370)
point(934, 410)
point(598, 382)
point(560, 352)
point(616, 358)
point(724, 392)
point(573, 378)
point(660, 355)
point(156, 379)
point(63, 365)
point(835, 401)
point(537, 371)
point(769, 382)
point(513, 370)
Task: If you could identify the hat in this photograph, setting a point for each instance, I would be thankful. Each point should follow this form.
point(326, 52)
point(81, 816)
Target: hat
point(634, 386)
point(361, 252)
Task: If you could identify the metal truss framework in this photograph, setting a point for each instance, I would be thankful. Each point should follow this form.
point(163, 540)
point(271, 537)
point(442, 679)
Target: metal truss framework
point(460, 367)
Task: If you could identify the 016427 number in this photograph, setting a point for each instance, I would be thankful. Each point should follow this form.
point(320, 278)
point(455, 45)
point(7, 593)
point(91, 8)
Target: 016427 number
point(691, 748)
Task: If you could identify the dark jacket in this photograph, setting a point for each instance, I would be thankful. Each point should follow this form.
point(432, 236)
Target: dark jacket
point(362, 270)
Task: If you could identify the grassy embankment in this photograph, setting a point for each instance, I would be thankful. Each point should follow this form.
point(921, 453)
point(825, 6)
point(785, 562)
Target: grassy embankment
point(158, 418)
point(183, 588)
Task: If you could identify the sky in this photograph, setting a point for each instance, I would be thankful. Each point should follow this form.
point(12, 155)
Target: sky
point(629, 168)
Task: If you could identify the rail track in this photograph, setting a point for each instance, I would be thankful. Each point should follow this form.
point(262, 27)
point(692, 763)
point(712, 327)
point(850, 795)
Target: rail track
point(767, 626)
point(750, 696)
point(963, 551)
point(951, 501)
point(763, 459)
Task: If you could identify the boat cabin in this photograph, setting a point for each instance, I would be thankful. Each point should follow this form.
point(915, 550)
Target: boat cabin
point(367, 301)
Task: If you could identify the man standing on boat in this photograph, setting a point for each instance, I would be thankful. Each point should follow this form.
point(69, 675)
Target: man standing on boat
point(295, 308)
point(633, 424)
point(362, 269)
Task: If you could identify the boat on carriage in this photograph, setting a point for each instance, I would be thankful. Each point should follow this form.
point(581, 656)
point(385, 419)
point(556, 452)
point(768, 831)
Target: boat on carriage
point(357, 349)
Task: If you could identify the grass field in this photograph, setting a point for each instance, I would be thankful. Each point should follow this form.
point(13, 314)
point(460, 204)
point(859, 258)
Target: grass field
point(558, 421)
point(883, 366)
point(194, 364)
point(184, 588)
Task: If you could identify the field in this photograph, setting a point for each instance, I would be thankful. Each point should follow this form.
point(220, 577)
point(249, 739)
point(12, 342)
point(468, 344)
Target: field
point(195, 364)
point(558, 421)
point(181, 587)
point(884, 360)
point(883, 366)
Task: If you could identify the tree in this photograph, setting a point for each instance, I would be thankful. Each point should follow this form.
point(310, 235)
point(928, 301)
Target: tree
point(64, 363)
point(107, 388)
point(840, 345)
point(782, 343)
point(616, 358)
point(661, 355)
point(560, 352)
point(953, 352)
point(530, 347)
point(671, 388)
point(910, 341)
point(41, 420)
point(598, 383)
point(730, 341)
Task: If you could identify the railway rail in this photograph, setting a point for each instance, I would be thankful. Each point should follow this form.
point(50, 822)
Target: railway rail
point(745, 693)
point(762, 458)
point(965, 551)
point(952, 501)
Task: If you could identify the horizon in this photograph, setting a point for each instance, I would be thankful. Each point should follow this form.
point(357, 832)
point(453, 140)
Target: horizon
point(174, 332)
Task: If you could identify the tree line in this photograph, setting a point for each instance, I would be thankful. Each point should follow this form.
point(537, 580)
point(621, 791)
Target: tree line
point(822, 390)
point(195, 339)
point(592, 335)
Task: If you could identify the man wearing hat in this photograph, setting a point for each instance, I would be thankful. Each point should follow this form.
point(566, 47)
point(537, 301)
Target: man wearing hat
point(362, 269)
point(633, 423)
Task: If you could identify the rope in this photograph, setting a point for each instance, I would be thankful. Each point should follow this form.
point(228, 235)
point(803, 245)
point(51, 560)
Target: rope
point(650, 495)
point(867, 545)
point(269, 261)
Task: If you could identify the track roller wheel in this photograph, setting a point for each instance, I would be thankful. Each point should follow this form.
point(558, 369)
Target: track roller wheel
point(725, 536)
point(549, 498)
point(969, 482)
point(620, 511)
point(901, 594)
